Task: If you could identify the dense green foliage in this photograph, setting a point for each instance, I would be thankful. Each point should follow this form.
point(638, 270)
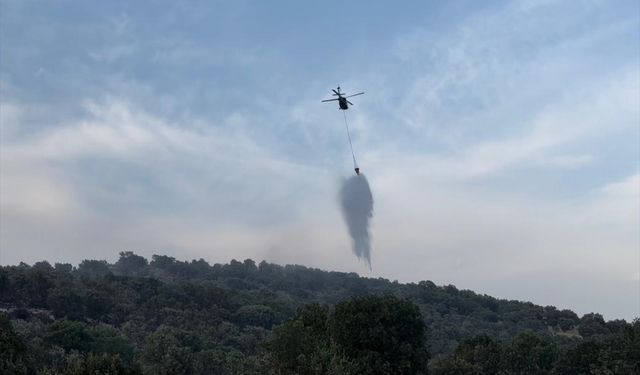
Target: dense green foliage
point(171, 317)
point(365, 335)
point(530, 354)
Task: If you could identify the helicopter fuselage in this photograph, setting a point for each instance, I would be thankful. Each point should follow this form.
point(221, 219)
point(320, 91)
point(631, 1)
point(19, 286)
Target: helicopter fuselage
point(342, 102)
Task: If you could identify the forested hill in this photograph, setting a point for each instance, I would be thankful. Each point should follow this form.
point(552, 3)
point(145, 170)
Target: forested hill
point(222, 314)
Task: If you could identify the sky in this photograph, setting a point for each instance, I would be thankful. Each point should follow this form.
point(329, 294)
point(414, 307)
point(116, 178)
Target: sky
point(501, 139)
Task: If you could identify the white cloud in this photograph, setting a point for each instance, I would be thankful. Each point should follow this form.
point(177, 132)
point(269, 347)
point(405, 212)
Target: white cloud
point(492, 241)
point(568, 161)
point(225, 187)
point(33, 190)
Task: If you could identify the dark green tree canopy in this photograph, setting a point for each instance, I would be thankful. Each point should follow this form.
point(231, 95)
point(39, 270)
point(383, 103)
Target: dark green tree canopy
point(386, 334)
point(172, 316)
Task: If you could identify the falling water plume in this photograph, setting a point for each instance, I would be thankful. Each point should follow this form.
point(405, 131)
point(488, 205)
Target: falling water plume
point(357, 207)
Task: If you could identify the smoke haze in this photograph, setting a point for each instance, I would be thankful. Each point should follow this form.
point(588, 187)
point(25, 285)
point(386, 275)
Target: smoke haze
point(357, 207)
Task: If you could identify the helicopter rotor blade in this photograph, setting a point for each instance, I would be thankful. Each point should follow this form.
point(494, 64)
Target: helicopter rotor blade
point(329, 100)
point(360, 93)
point(336, 92)
point(349, 102)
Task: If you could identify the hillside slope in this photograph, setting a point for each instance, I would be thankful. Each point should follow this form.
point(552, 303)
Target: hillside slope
point(227, 311)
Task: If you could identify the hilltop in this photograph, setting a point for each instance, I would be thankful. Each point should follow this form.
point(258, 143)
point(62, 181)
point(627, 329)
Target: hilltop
point(226, 312)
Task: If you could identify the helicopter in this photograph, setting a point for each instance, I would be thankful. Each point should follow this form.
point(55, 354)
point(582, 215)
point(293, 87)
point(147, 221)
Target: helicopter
point(342, 99)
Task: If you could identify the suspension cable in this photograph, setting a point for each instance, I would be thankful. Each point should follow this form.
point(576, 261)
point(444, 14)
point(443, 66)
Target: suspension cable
point(346, 125)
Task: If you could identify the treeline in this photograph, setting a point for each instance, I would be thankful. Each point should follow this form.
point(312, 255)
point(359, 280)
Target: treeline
point(532, 354)
point(173, 317)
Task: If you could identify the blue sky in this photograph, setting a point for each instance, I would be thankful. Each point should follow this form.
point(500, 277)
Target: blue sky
point(501, 139)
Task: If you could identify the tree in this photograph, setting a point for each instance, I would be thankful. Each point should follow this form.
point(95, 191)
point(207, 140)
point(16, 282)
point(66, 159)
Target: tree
point(250, 266)
point(6, 293)
point(99, 303)
point(592, 325)
point(382, 335)
point(583, 359)
point(169, 351)
point(304, 346)
point(93, 269)
point(67, 301)
point(528, 354)
point(29, 286)
point(255, 315)
point(131, 264)
point(621, 352)
point(296, 350)
point(70, 335)
point(452, 365)
point(108, 339)
point(13, 352)
point(482, 352)
point(64, 268)
point(103, 364)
